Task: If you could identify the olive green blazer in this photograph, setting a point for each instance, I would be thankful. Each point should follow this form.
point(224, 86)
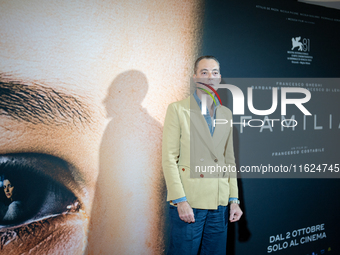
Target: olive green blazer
point(188, 149)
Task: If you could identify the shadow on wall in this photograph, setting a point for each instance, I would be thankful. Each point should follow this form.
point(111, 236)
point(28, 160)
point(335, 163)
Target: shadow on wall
point(128, 212)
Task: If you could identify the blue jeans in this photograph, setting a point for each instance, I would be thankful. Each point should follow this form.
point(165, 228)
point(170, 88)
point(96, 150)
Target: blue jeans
point(207, 235)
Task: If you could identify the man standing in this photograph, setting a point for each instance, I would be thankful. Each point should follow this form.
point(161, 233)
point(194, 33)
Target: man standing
point(194, 152)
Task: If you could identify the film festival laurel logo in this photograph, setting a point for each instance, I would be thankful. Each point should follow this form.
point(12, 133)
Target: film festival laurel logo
point(299, 52)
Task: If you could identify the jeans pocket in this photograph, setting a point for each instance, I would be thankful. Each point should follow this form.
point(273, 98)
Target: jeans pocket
point(226, 215)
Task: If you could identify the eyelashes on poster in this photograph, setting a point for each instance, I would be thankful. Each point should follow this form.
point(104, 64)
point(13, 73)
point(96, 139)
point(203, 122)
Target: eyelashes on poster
point(29, 195)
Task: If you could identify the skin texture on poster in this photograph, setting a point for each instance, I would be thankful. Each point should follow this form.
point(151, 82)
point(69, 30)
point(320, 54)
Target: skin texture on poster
point(84, 89)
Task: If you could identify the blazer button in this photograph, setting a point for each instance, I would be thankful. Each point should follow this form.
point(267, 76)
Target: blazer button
point(215, 159)
point(183, 169)
point(202, 175)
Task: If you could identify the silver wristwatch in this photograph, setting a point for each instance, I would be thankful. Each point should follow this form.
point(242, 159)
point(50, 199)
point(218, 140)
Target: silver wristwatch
point(234, 201)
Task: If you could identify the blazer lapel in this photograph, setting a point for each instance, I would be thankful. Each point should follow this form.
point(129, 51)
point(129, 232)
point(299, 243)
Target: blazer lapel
point(220, 129)
point(197, 120)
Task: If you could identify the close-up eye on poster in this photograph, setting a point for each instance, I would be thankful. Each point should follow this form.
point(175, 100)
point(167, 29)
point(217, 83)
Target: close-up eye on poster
point(169, 127)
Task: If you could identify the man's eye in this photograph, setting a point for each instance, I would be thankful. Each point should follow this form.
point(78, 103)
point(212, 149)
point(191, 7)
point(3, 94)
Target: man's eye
point(35, 195)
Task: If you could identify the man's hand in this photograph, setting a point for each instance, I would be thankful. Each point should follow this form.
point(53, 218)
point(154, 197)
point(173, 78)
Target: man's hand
point(235, 212)
point(185, 212)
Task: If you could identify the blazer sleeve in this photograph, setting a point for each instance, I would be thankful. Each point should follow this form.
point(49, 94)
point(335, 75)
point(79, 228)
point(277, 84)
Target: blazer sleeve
point(230, 160)
point(170, 153)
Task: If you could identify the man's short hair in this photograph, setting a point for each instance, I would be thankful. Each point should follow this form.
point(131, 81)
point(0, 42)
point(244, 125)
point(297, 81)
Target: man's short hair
point(204, 57)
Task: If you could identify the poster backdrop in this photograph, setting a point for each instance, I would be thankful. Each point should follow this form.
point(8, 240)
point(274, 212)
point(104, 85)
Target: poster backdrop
point(267, 44)
point(82, 103)
point(84, 87)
